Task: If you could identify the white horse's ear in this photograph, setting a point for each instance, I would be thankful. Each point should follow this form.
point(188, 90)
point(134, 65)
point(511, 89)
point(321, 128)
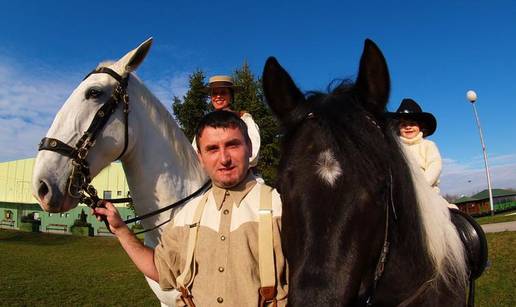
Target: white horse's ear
point(130, 62)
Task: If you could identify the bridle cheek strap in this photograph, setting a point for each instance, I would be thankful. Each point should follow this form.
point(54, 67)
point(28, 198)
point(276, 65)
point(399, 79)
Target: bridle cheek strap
point(79, 181)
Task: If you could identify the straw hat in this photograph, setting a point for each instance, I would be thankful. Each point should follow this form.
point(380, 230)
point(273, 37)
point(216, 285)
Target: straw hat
point(220, 81)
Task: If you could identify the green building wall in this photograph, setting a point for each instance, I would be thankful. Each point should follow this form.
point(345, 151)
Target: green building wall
point(16, 198)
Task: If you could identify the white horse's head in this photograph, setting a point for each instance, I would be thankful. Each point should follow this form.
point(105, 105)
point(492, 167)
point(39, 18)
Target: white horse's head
point(52, 170)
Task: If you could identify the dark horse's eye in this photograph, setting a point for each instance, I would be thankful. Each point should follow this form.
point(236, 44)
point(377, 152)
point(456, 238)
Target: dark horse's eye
point(93, 93)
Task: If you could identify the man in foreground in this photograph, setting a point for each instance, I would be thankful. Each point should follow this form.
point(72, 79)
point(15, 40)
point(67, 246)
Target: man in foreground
point(210, 249)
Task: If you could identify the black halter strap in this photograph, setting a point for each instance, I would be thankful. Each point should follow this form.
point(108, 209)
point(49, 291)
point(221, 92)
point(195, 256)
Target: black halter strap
point(80, 151)
point(79, 181)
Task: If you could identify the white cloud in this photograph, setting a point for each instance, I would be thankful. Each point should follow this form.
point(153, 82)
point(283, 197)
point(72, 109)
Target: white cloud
point(28, 103)
point(30, 97)
point(466, 178)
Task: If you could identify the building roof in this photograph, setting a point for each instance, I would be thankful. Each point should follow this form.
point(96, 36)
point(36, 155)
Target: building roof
point(484, 195)
point(464, 199)
point(496, 193)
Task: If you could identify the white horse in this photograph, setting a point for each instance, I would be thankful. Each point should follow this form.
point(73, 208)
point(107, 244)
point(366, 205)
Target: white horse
point(160, 164)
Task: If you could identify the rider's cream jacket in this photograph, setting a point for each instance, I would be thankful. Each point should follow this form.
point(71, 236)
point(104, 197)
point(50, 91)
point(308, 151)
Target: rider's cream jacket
point(427, 156)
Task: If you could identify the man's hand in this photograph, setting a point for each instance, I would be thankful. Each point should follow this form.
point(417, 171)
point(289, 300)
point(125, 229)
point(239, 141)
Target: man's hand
point(141, 255)
point(108, 211)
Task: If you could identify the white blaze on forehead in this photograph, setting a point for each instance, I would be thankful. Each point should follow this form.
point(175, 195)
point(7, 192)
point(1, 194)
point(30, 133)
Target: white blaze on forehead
point(328, 168)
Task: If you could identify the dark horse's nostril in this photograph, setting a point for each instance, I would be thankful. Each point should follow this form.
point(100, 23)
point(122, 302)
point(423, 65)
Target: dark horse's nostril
point(42, 190)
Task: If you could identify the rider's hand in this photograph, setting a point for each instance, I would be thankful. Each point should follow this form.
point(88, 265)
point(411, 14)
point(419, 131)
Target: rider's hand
point(109, 211)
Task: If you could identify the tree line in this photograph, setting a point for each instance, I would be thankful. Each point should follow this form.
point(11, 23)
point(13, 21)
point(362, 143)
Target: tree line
point(190, 108)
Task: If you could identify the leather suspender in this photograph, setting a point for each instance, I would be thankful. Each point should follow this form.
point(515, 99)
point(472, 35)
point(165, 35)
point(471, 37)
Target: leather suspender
point(267, 291)
point(185, 280)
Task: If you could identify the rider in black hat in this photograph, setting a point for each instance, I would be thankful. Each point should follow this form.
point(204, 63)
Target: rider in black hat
point(414, 126)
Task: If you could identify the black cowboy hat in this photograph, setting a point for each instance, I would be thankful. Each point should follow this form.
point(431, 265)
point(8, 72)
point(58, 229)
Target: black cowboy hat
point(410, 110)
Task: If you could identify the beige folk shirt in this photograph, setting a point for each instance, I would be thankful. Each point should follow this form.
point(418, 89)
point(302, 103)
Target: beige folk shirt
point(226, 254)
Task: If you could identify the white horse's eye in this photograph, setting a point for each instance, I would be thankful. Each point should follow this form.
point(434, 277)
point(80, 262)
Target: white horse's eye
point(93, 93)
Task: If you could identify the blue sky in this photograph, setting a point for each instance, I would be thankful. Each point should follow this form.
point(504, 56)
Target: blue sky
point(436, 51)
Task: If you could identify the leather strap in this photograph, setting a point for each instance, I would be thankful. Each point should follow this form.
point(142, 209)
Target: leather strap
point(185, 279)
point(57, 146)
point(267, 291)
point(80, 179)
point(106, 70)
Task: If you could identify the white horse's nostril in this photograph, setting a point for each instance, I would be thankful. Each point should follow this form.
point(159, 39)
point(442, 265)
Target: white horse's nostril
point(42, 190)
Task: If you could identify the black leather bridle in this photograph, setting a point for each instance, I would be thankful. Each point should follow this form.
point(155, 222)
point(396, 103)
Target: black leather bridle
point(78, 184)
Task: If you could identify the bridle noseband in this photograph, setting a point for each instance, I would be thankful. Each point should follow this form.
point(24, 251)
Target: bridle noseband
point(78, 184)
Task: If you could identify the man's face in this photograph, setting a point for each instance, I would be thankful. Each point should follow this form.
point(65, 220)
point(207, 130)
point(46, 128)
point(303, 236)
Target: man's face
point(220, 98)
point(224, 155)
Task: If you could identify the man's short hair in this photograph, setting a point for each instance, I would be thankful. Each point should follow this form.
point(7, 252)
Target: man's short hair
point(221, 119)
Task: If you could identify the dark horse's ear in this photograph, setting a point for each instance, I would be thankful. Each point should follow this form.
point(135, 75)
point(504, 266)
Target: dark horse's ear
point(373, 82)
point(280, 91)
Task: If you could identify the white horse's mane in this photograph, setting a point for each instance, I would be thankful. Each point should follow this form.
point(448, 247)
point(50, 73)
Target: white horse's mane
point(444, 245)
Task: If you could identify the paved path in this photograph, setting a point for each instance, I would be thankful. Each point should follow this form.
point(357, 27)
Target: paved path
point(499, 227)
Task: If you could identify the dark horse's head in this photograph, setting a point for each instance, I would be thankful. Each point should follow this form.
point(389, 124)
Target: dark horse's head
point(341, 173)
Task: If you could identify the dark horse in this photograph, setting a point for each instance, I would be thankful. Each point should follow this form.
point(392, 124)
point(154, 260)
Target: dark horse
point(357, 229)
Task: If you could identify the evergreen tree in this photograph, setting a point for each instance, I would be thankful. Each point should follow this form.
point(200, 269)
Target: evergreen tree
point(194, 105)
point(249, 98)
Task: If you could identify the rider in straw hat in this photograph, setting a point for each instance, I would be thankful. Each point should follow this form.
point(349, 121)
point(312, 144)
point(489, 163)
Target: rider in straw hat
point(221, 90)
point(414, 126)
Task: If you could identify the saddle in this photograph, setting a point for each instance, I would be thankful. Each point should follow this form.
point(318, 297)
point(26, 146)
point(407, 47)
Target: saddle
point(474, 240)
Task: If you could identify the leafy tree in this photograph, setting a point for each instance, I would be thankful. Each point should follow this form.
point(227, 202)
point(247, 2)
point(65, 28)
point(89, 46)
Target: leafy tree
point(194, 105)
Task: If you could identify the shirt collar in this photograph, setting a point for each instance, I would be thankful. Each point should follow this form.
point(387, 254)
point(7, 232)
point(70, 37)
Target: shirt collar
point(234, 194)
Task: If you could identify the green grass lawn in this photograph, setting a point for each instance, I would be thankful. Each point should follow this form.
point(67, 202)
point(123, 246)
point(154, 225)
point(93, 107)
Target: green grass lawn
point(499, 218)
point(496, 287)
point(54, 270)
point(60, 270)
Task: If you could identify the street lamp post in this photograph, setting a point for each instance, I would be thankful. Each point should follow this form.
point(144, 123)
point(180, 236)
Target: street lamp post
point(472, 97)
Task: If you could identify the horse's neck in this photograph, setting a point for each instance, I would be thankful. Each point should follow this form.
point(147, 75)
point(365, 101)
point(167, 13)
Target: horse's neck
point(161, 165)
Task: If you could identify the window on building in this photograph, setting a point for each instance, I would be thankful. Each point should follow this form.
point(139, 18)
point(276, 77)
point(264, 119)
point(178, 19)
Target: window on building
point(118, 193)
point(8, 214)
point(107, 194)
